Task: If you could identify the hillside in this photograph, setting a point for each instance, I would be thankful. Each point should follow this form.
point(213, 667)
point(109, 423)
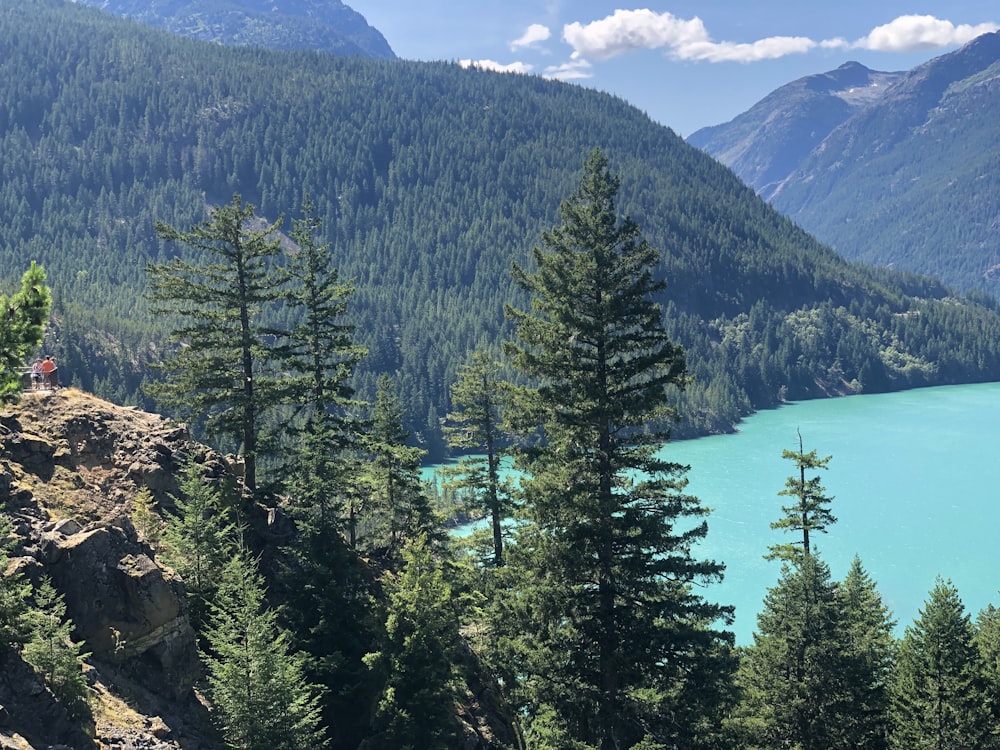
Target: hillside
point(909, 181)
point(70, 466)
point(322, 25)
point(430, 180)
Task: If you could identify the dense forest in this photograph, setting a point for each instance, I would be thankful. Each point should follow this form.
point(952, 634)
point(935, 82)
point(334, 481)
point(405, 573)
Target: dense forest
point(583, 618)
point(429, 181)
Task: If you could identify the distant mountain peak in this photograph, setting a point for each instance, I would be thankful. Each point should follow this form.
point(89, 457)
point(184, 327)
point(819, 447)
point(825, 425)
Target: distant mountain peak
point(325, 25)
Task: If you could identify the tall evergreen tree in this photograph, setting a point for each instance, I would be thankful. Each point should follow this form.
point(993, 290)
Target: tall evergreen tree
point(218, 369)
point(479, 396)
point(262, 700)
point(870, 646)
point(987, 640)
point(611, 529)
point(809, 511)
point(793, 678)
point(22, 324)
point(417, 705)
point(394, 507)
point(318, 356)
point(937, 698)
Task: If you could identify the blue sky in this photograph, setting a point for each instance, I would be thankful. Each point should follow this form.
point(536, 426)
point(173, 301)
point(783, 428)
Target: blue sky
point(688, 63)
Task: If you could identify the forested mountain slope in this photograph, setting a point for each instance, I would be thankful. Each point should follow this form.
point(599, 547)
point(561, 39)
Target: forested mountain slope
point(430, 180)
point(324, 25)
point(765, 144)
point(910, 181)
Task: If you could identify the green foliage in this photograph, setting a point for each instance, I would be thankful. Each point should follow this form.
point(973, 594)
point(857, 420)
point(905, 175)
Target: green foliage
point(937, 695)
point(392, 508)
point(809, 510)
point(14, 594)
point(867, 637)
point(198, 540)
point(794, 677)
point(261, 698)
point(480, 396)
point(219, 368)
point(147, 521)
point(22, 321)
point(318, 357)
point(416, 708)
point(620, 637)
point(53, 653)
point(108, 128)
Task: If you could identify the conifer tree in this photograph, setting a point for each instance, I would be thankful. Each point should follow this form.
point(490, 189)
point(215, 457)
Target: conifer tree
point(53, 653)
point(793, 678)
point(218, 370)
point(22, 321)
point(318, 356)
point(809, 511)
point(14, 595)
point(198, 540)
point(395, 508)
point(625, 633)
point(937, 696)
point(261, 698)
point(987, 640)
point(417, 706)
point(479, 396)
point(870, 647)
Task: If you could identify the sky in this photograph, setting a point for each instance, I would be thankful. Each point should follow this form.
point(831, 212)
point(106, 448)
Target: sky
point(687, 64)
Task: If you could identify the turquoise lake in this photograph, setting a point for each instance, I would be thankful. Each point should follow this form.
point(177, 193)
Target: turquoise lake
point(914, 477)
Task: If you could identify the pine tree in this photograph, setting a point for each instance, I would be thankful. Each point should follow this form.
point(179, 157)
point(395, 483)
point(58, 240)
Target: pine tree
point(793, 678)
point(870, 647)
point(625, 634)
point(479, 396)
point(14, 596)
point(318, 356)
point(937, 697)
point(261, 698)
point(198, 540)
point(22, 323)
point(394, 508)
point(218, 369)
point(987, 640)
point(417, 707)
point(809, 511)
point(53, 653)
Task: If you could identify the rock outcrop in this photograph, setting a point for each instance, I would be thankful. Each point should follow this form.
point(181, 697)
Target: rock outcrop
point(70, 467)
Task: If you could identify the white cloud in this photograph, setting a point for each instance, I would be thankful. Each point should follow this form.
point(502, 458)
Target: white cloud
point(629, 30)
point(763, 49)
point(533, 35)
point(514, 67)
point(912, 33)
point(574, 70)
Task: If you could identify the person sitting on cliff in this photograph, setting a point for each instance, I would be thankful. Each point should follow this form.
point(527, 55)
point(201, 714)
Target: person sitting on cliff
point(36, 374)
point(49, 372)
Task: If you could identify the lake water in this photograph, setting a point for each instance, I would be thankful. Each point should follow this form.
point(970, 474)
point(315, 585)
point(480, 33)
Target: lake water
point(914, 477)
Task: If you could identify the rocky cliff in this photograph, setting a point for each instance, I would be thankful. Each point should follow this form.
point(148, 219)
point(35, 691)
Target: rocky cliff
point(70, 468)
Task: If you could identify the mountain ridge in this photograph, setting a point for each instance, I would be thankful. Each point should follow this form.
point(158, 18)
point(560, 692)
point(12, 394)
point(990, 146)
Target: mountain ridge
point(430, 180)
point(908, 181)
point(324, 25)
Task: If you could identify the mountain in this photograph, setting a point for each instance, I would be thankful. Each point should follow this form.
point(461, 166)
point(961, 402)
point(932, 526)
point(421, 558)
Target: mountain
point(768, 142)
point(324, 25)
point(430, 180)
point(909, 181)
